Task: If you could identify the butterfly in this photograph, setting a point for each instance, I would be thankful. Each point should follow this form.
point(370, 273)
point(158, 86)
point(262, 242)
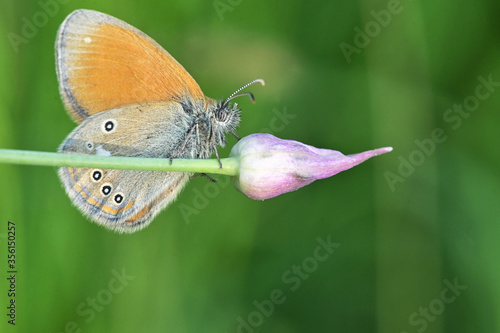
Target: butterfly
point(130, 97)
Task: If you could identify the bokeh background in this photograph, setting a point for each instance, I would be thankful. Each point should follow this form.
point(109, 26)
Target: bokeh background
point(416, 230)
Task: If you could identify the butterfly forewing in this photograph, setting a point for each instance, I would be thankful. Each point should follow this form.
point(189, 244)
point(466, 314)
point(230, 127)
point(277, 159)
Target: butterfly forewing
point(104, 63)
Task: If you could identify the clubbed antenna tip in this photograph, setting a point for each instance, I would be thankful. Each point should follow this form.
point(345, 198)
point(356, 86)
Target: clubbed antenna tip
point(235, 94)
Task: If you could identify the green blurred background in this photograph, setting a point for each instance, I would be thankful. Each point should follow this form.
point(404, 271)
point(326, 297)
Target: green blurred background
point(407, 225)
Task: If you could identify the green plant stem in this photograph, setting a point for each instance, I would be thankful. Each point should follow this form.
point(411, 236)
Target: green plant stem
point(229, 165)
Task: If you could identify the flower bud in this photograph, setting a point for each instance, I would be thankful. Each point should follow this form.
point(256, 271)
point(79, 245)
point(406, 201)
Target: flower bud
point(269, 166)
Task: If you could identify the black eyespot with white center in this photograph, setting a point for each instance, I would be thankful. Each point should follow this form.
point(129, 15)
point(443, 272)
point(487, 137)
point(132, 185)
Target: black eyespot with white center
point(89, 145)
point(106, 189)
point(108, 126)
point(96, 175)
point(118, 198)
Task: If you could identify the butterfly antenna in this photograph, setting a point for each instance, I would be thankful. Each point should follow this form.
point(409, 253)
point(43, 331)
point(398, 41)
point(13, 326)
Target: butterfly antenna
point(235, 94)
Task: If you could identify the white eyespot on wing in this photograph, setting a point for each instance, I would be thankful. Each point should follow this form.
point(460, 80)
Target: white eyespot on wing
point(108, 126)
point(87, 40)
point(89, 145)
point(96, 175)
point(106, 189)
point(100, 151)
point(118, 198)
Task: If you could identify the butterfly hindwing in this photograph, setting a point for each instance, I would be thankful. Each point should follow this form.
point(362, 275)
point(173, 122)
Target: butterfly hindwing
point(125, 200)
point(120, 199)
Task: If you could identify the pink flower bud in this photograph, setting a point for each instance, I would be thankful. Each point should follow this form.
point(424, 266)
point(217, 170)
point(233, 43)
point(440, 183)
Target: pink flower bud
point(270, 166)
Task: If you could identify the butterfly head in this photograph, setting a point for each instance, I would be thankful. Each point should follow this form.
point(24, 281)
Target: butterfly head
point(226, 116)
point(225, 119)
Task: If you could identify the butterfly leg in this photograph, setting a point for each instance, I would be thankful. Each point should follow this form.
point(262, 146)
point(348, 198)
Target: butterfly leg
point(206, 176)
point(218, 158)
point(214, 144)
point(195, 126)
point(235, 135)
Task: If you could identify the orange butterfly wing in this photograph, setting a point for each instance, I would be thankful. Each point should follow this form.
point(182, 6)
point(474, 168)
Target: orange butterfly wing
point(104, 63)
